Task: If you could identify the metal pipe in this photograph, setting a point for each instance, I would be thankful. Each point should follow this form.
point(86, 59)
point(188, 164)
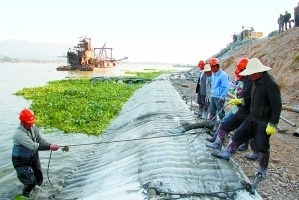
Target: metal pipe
point(289, 108)
point(287, 121)
point(151, 192)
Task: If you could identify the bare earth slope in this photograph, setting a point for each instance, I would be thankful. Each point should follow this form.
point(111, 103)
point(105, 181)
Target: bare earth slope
point(280, 52)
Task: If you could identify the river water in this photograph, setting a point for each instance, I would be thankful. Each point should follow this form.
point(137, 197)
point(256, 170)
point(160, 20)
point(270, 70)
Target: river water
point(14, 77)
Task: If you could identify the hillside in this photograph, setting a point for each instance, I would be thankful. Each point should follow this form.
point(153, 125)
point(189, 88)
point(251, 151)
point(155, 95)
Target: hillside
point(32, 50)
point(281, 52)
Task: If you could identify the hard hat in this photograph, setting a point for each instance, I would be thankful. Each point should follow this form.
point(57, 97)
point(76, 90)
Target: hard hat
point(241, 65)
point(201, 64)
point(214, 61)
point(27, 115)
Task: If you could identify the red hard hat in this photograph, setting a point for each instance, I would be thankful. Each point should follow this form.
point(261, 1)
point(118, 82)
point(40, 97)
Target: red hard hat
point(241, 65)
point(214, 61)
point(201, 64)
point(27, 115)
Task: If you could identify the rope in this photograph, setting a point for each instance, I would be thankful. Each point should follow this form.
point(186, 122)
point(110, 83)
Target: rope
point(66, 147)
point(49, 167)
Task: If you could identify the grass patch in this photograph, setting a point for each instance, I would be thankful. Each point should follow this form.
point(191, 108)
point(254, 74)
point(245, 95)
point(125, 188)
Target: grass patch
point(80, 105)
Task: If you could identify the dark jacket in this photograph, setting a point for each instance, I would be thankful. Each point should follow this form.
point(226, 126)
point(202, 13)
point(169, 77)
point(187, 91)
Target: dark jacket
point(25, 156)
point(287, 17)
point(246, 92)
point(265, 100)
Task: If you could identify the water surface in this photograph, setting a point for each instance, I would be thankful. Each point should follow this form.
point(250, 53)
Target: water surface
point(14, 77)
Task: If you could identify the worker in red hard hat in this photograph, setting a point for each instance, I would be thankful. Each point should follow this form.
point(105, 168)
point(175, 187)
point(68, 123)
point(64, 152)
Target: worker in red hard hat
point(27, 142)
point(201, 90)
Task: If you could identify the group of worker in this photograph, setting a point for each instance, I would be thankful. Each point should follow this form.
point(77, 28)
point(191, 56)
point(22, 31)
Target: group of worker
point(284, 21)
point(254, 115)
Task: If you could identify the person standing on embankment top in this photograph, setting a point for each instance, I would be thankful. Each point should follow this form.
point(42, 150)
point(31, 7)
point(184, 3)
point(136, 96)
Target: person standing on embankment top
point(280, 22)
point(201, 91)
point(219, 90)
point(265, 108)
point(296, 15)
point(287, 18)
point(27, 142)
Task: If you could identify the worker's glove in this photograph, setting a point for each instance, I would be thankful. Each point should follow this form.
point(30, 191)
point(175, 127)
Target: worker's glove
point(54, 147)
point(235, 101)
point(270, 129)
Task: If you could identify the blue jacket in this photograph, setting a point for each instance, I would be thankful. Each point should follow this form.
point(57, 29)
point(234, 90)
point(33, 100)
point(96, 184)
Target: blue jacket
point(220, 84)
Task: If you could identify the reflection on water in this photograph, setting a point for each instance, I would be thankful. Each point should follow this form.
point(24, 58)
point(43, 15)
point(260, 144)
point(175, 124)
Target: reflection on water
point(14, 77)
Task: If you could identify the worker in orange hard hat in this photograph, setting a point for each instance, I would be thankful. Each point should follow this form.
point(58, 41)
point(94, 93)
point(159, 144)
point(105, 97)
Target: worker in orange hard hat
point(219, 90)
point(201, 90)
point(236, 116)
point(27, 142)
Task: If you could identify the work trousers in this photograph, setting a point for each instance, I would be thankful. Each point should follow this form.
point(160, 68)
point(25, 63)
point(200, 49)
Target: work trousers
point(235, 120)
point(256, 130)
point(201, 100)
point(280, 27)
point(216, 107)
point(296, 20)
point(286, 25)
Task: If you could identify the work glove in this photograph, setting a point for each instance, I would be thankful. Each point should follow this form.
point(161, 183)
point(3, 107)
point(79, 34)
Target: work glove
point(270, 129)
point(235, 101)
point(54, 147)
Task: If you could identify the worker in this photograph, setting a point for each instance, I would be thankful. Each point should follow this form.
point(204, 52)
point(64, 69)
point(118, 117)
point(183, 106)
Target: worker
point(201, 91)
point(265, 108)
point(238, 113)
point(280, 22)
point(219, 90)
point(287, 18)
point(27, 142)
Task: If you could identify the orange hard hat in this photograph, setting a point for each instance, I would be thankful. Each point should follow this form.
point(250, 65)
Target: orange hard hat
point(27, 115)
point(201, 64)
point(214, 61)
point(241, 65)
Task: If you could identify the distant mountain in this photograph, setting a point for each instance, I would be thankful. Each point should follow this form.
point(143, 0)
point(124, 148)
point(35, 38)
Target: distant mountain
point(32, 50)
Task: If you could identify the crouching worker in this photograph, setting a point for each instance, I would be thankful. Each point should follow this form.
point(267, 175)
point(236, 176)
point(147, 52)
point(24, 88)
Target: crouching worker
point(27, 142)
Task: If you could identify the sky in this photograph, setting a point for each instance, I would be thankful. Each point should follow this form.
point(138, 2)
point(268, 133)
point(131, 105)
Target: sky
point(172, 31)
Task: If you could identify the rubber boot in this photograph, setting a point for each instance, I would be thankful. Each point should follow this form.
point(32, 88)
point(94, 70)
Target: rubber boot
point(219, 140)
point(204, 113)
point(254, 155)
point(213, 138)
point(27, 189)
point(212, 117)
point(227, 152)
point(261, 175)
point(200, 111)
point(243, 147)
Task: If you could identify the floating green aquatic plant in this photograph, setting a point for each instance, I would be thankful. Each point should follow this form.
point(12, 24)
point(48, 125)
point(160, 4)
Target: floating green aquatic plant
point(80, 105)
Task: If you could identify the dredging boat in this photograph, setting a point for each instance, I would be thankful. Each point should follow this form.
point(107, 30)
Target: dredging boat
point(84, 57)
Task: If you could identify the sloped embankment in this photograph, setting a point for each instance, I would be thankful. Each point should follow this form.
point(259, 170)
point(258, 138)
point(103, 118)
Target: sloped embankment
point(281, 52)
